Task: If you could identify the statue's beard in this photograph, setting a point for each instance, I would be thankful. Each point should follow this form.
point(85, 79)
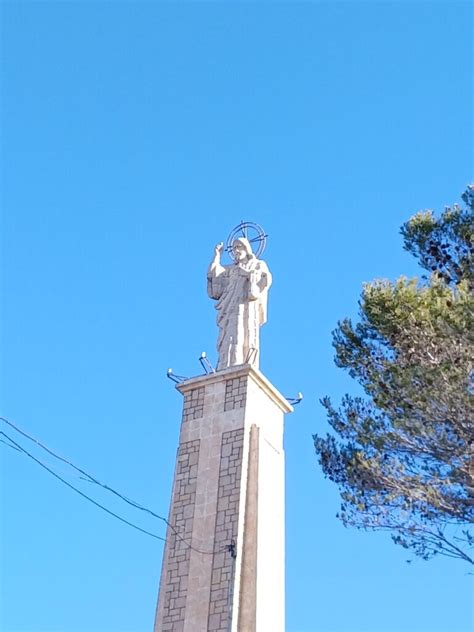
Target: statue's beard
point(243, 261)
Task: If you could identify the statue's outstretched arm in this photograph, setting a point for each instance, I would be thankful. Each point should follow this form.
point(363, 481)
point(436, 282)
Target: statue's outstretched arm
point(216, 269)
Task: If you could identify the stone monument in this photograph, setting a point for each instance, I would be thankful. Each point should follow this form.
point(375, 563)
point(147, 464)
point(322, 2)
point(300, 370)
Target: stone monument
point(241, 292)
point(223, 563)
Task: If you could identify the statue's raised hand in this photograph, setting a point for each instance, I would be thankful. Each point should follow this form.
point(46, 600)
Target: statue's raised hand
point(218, 250)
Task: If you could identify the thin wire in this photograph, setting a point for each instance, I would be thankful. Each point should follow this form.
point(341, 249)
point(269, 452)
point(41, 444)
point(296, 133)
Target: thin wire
point(40, 463)
point(110, 489)
point(10, 445)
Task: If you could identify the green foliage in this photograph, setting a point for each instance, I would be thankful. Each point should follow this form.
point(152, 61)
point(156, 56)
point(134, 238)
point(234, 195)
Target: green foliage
point(402, 456)
point(445, 245)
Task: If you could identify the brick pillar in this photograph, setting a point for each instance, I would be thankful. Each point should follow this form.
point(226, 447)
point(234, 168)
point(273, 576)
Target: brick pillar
point(228, 503)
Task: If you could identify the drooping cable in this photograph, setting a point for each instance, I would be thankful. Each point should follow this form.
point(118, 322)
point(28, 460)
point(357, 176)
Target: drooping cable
point(78, 491)
point(92, 479)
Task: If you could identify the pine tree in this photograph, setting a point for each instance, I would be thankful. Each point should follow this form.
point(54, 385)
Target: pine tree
point(403, 454)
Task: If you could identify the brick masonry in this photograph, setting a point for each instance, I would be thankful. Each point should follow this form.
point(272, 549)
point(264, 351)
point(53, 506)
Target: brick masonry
point(193, 407)
point(235, 393)
point(182, 520)
point(226, 528)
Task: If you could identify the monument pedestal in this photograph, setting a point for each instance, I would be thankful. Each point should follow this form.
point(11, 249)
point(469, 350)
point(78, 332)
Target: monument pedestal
point(228, 504)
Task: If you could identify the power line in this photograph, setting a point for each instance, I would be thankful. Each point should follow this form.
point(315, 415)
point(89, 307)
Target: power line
point(10, 445)
point(92, 479)
point(41, 464)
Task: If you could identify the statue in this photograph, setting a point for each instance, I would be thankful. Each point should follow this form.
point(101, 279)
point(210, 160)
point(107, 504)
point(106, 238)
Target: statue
point(241, 292)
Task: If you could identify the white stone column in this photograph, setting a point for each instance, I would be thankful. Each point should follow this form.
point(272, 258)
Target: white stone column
point(228, 489)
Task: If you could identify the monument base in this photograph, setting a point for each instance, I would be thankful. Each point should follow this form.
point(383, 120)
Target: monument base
point(223, 564)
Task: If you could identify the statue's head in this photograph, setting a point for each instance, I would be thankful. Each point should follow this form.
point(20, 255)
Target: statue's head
point(241, 250)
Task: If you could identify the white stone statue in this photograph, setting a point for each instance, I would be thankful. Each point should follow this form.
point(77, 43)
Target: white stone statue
point(241, 292)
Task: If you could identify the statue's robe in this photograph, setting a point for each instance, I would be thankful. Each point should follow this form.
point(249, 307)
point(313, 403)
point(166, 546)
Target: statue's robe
point(241, 294)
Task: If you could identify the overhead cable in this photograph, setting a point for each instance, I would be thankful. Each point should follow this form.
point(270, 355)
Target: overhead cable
point(43, 465)
point(94, 480)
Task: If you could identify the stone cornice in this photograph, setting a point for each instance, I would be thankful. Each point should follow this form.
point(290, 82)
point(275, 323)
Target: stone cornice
point(239, 371)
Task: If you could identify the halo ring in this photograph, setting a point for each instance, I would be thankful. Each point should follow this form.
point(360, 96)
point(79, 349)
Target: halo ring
point(251, 231)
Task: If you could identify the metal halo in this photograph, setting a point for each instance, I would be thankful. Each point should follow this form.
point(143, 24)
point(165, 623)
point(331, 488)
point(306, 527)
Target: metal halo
point(246, 229)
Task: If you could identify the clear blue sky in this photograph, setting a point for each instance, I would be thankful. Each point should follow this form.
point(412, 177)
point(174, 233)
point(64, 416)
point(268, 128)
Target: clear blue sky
point(135, 136)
